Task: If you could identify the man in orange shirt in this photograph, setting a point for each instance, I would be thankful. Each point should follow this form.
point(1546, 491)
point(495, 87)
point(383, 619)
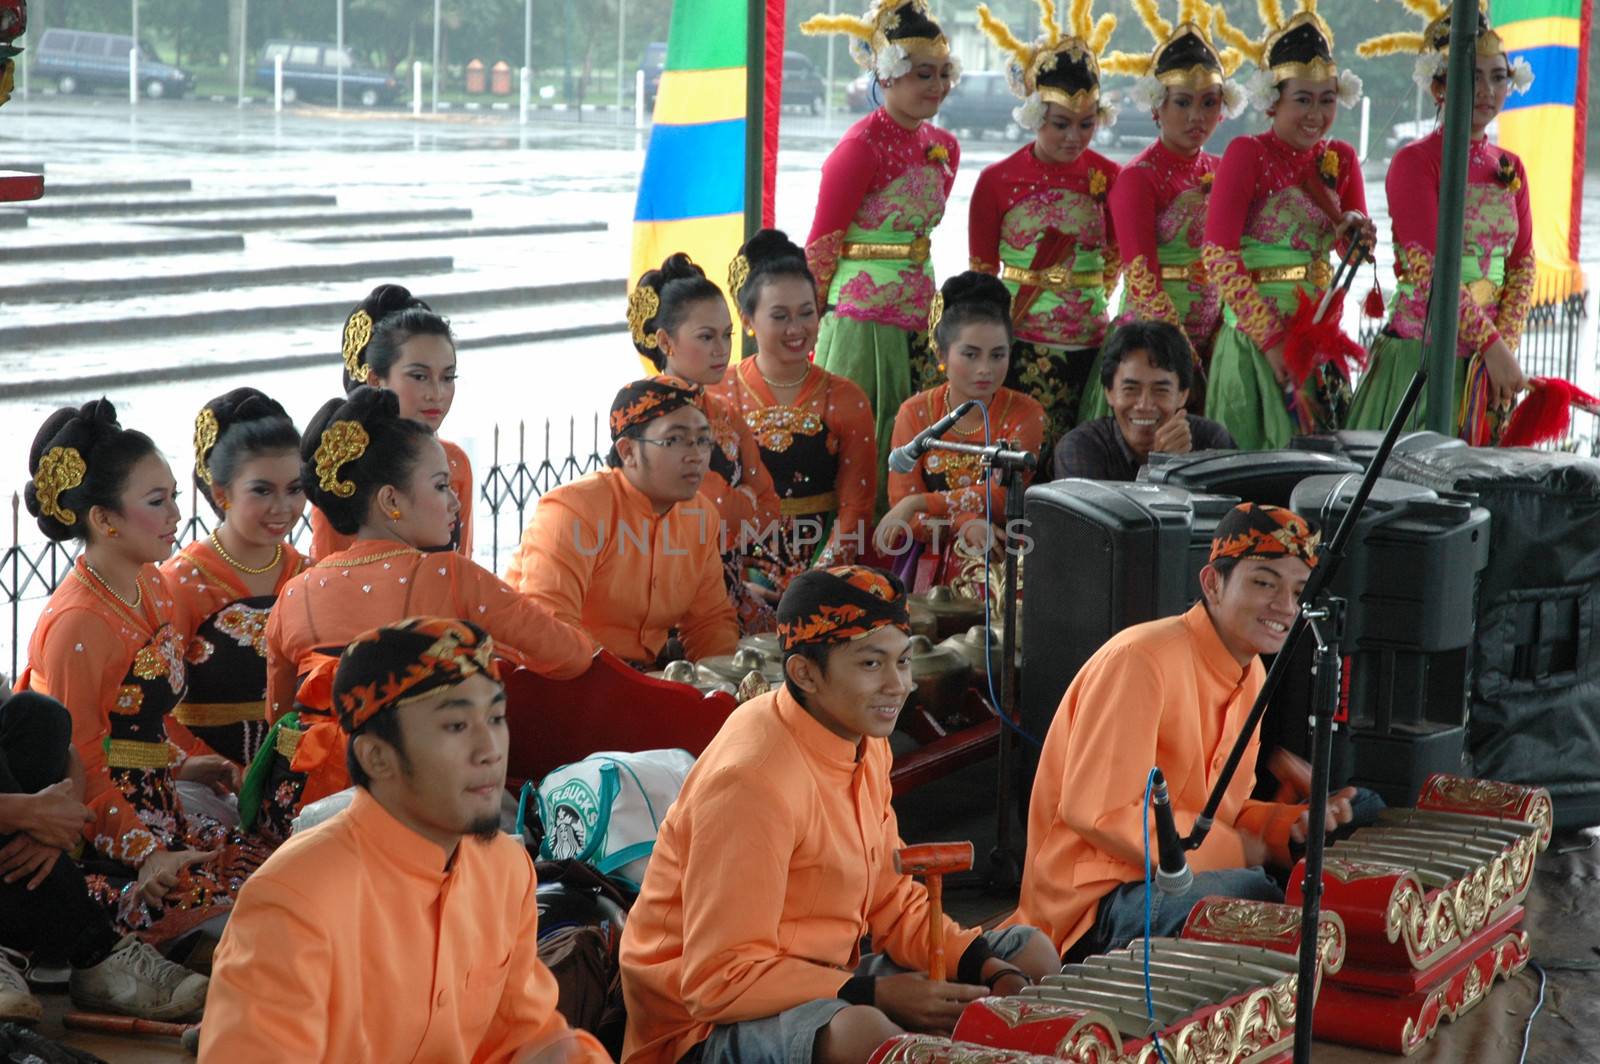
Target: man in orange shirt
point(406, 927)
point(1172, 693)
point(633, 552)
point(778, 856)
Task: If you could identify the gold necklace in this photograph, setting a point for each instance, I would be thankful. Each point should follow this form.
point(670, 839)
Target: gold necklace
point(277, 556)
point(959, 431)
point(138, 588)
point(804, 373)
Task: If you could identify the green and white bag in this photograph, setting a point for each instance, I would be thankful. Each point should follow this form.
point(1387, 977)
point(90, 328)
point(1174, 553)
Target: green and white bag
point(606, 810)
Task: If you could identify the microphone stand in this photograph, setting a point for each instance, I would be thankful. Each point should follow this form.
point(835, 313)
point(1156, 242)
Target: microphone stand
point(1005, 867)
point(1324, 614)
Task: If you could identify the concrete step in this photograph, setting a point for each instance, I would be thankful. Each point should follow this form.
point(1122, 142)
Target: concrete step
point(95, 206)
point(74, 250)
point(261, 352)
point(51, 324)
point(25, 167)
point(315, 219)
point(58, 189)
point(12, 218)
point(466, 233)
point(81, 290)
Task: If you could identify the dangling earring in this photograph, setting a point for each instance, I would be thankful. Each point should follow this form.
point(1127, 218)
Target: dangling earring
point(941, 367)
point(749, 331)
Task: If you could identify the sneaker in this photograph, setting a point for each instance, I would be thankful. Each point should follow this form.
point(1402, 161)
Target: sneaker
point(138, 981)
point(17, 1003)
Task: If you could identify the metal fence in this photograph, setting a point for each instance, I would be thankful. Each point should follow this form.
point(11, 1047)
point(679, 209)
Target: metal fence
point(30, 570)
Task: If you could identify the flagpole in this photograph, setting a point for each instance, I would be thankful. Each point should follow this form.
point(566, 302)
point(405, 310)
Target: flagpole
point(755, 112)
point(1445, 301)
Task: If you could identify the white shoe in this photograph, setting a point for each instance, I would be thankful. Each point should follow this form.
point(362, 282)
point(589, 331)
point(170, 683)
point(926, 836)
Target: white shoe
point(138, 981)
point(17, 1003)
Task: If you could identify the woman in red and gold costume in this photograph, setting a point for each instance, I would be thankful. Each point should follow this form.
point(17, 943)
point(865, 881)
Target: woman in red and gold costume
point(395, 341)
point(385, 481)
point(247, 467)
point(1280, 202)
point(1497, 266)
point(814, 428)
point(1040, 217)
point(1159, 202)
point(949, 498)
point(883, 191)
point(114, 647)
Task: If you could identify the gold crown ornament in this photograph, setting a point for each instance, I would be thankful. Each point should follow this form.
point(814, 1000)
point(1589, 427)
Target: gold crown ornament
point(890, 38)
point(1297, 46)
point(1061, 66)
point(1185, 57)
point(1431, 47)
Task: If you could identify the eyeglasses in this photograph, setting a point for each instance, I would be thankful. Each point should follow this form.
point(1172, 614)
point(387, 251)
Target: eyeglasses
point(679, 444)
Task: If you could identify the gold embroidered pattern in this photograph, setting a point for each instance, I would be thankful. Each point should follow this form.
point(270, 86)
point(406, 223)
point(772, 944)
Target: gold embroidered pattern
point(1258, 319)
point(60, 470)
point(1147, 298)
point(131, 753)
point(205, 438)
point(775, 427)
point(341, 442)
point(357, 335)
point(1516, 295)
point(1474, 328)
point(162, 656)
point(245, 625)
point(130, 698)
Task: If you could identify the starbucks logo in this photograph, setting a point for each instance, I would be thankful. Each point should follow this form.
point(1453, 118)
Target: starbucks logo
point(574, 813)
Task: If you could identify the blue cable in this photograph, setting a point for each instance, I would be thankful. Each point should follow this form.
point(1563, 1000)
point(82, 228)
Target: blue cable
point(1149, 998)
point(1537, 1005)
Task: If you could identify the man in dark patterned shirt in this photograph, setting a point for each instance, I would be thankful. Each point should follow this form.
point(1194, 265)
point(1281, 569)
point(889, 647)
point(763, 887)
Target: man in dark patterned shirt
point(1146, 373)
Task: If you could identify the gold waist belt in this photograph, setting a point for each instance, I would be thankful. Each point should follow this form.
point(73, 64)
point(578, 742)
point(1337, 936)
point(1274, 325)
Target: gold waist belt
point(288, 741)
point(1483, 291)
point(916, 251)
point(809, 504)
point(1055, 278)
point(219, 714)
point(1319, 273)
point(1194, 273)
point(132, 753)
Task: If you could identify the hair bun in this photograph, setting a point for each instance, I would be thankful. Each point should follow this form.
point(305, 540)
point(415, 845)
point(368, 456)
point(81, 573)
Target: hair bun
point(974, 287)
point(769, 245)
point(679, 266)
point(366, 405)
point(242, 405)
point(85, 430)
point(389, 298)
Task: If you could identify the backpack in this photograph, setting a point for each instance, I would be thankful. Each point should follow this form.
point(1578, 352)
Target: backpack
point(606, 810)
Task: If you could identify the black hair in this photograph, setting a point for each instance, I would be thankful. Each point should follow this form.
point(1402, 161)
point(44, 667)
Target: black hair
point(396, 317)
point(394, 447)
point(108, 451)
point(971, 297)
point(772, 256)
point(385, 725)
point(678, 284)
point(817, 652)
point(249, 425)
point(1163, 343)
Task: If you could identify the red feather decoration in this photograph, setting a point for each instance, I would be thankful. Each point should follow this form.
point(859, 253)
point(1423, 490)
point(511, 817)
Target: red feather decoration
point(1309, 344)
point(1546, 413)
point(1373, 304)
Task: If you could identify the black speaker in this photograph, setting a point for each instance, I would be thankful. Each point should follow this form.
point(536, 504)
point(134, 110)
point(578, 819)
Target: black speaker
point(1103, 555)
point(1409, 578)
point(1253, 476)
point(1534, 680)
point(1360, 445)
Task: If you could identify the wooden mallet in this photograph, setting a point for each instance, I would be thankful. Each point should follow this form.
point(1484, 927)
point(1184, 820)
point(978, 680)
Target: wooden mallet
point(187, 1033)
point(933, 861)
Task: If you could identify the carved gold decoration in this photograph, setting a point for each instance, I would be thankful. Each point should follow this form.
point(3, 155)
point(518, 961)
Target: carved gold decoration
point(1432, 926)
point(60, 470)
point(1348, 871)
point(738, 274)
point(935, 312)
point(643, 304)
point(1460, 994)
point(1247, 921)
point(1245, 1031)
point(205, 438)
point(357, 335)
point(341, 442)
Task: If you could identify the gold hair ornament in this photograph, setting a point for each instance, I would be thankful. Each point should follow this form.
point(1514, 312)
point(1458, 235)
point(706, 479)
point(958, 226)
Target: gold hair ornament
point(357, 335)
point(60, 470)
point(205, 438)
point(341, 442)
point(738, 274)
point(935, 312)
point(643, 304)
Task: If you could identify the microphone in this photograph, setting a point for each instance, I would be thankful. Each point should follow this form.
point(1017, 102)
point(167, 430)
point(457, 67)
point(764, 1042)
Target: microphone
point(1173, 875)
point(904, 459)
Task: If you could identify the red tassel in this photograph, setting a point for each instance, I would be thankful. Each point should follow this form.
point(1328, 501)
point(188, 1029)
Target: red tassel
point(1546, 413)
point(1373, 304)
point(1308, 345)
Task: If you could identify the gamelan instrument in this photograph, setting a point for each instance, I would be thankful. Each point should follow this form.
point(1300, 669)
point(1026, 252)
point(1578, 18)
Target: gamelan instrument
point(1224, 993)
point(1432, 900)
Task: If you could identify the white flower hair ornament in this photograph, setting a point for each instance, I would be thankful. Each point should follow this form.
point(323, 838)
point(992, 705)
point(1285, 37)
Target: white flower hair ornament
point(1429, 65)
point(1234, 101)
point(955, 70)
point(1030, 113)
point(1147, 92)
point(861, 52)
point(891, 62)
point(1014, 79)
point(1349, 88)
point(1521, 75)
point(1262, 90)
point(1107, 115)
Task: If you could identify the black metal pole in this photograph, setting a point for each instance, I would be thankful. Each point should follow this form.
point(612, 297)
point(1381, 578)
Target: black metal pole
point(1005, 865)
point(1327, 625)
point(755, 113)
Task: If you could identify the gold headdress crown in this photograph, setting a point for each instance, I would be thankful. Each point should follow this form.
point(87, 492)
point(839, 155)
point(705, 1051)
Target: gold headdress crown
point(357, 335)
point(1305, 22)
point(1195, 31)
point(60, 470)
point(205, 438)
point(643, 304)
point(1435, 37)
point(870, 34)
point(1046, 66)
point(341, 442)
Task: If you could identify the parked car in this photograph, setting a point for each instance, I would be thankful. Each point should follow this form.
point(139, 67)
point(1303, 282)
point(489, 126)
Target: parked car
point(860, 97)
point(802, 85)
point(651, 64)
point(311, 71)
point(82, 60)
point(1135, 128)
point(981, 103)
